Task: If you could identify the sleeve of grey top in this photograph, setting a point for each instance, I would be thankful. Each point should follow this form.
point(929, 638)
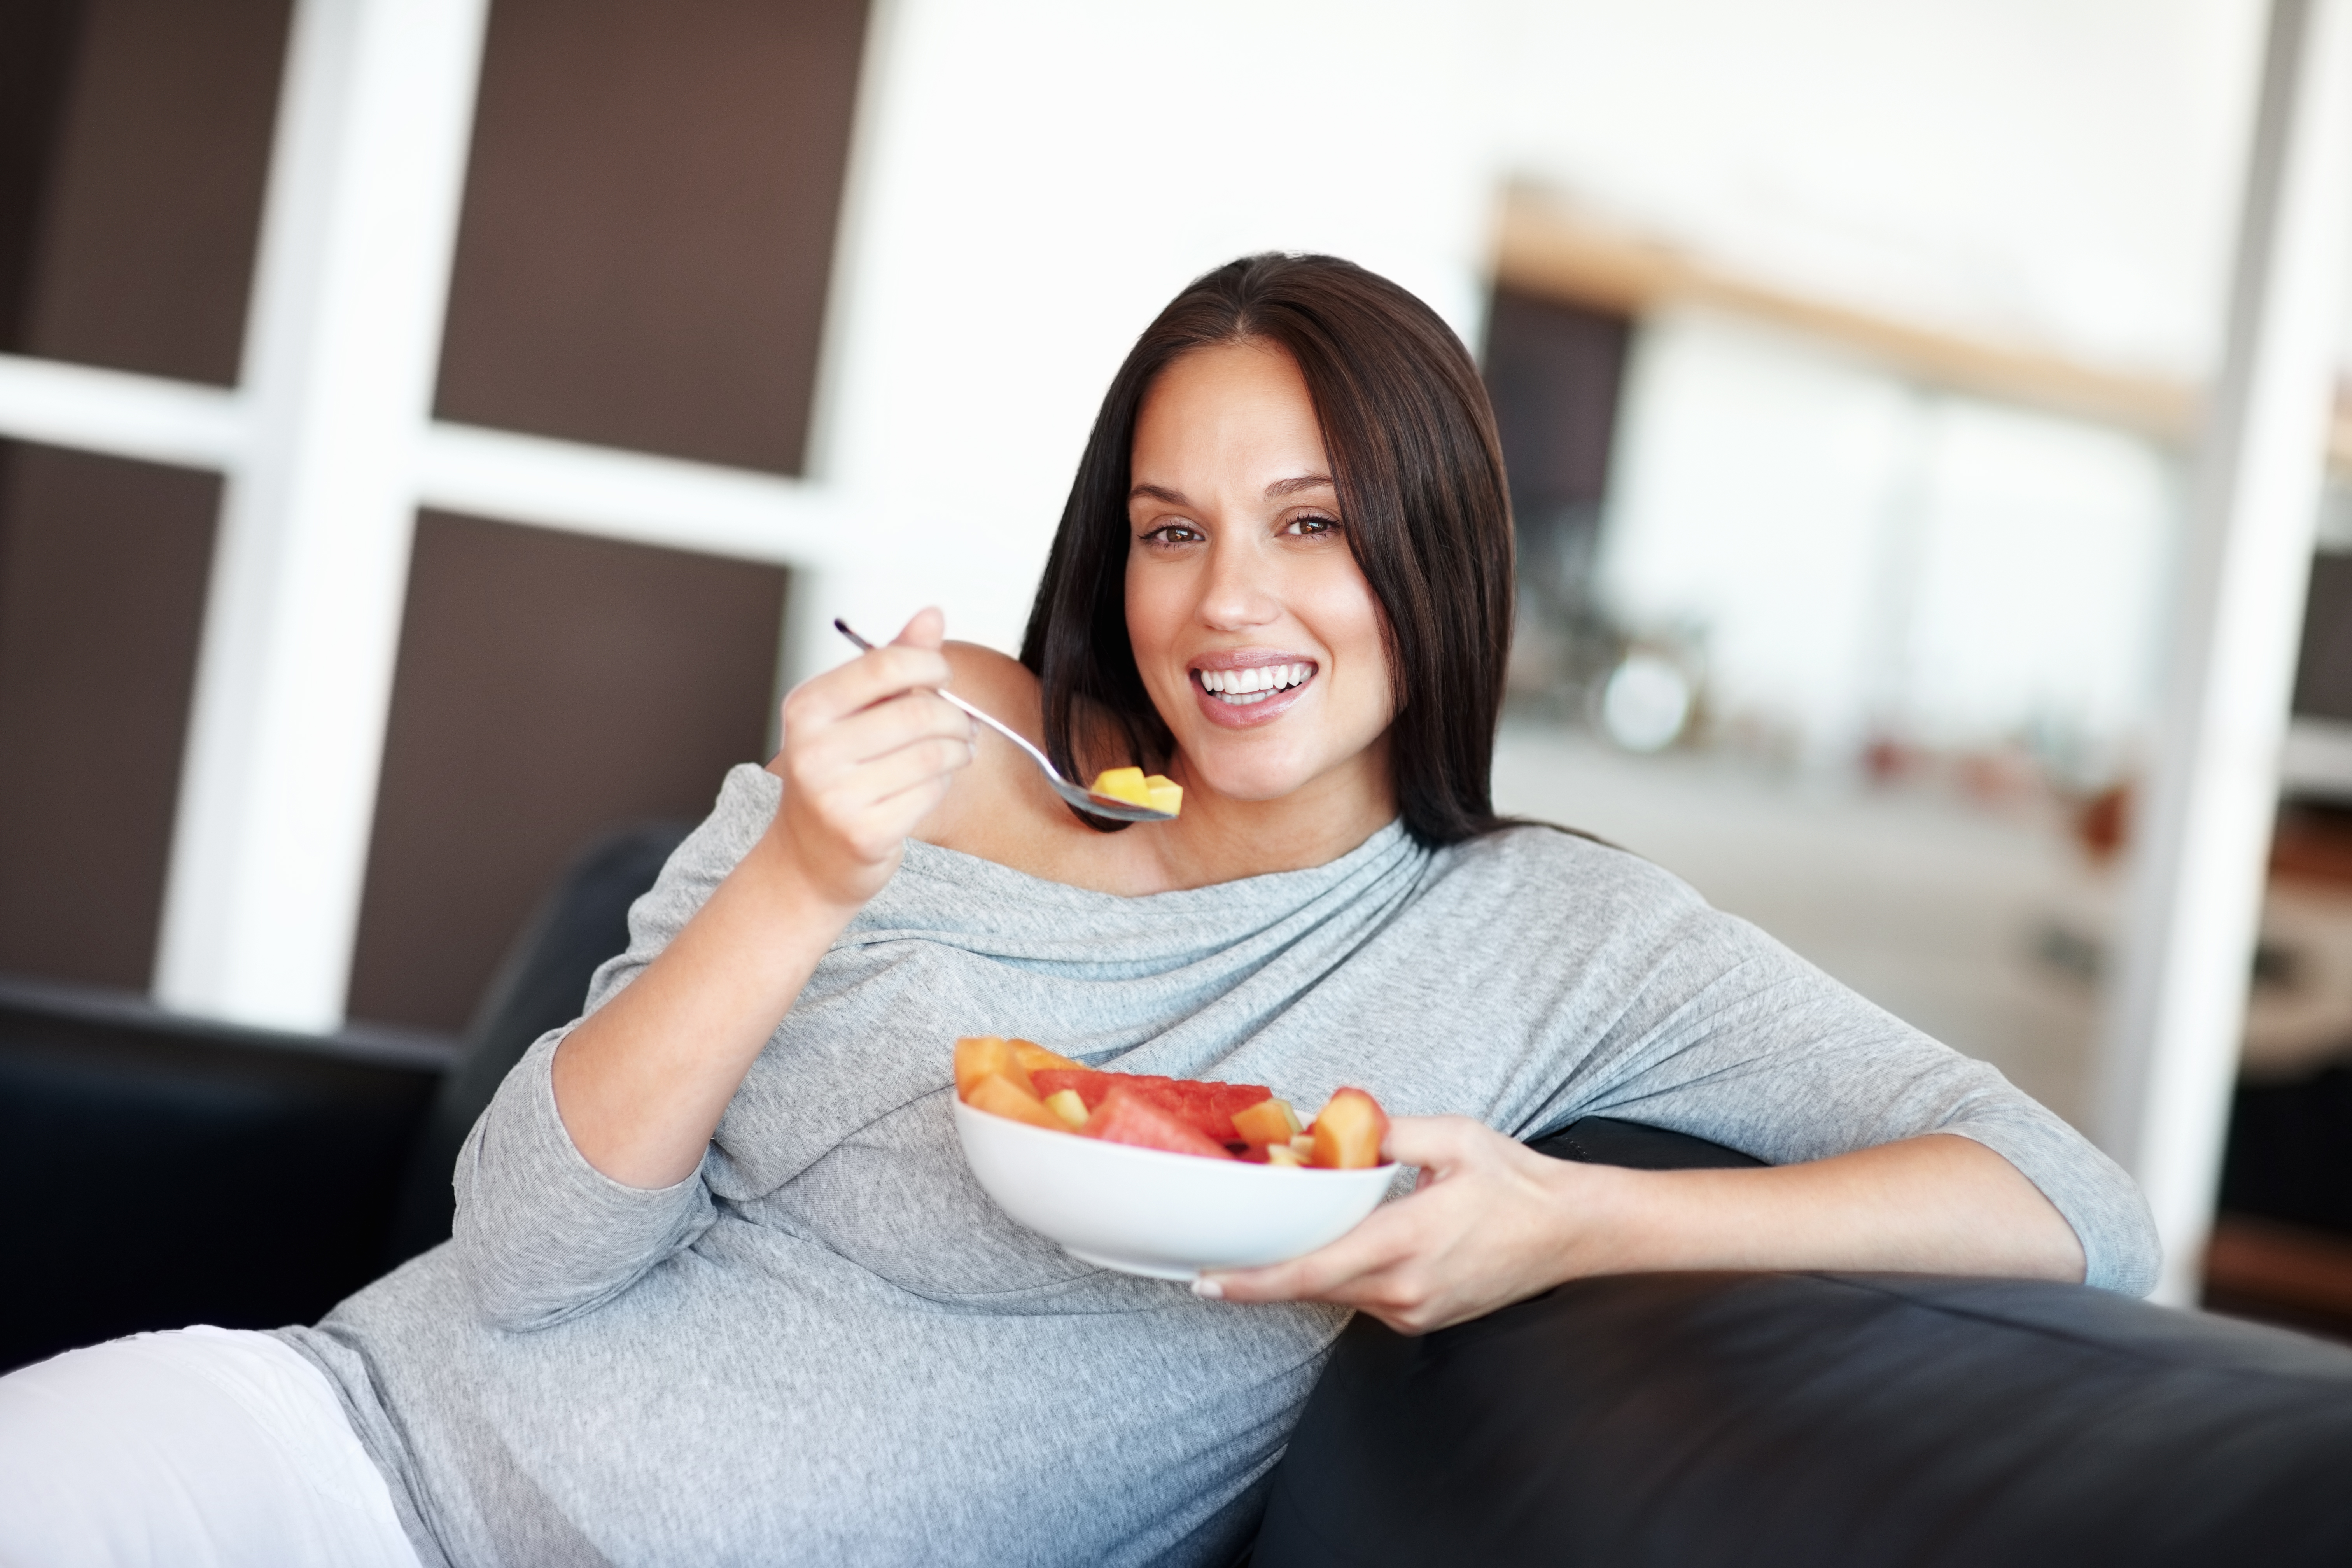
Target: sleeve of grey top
point(1733, 1037)
point(541, 1233)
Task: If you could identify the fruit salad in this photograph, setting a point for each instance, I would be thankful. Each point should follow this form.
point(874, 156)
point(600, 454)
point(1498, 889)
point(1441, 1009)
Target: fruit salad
point(1023, 1082)
point(1130, 785)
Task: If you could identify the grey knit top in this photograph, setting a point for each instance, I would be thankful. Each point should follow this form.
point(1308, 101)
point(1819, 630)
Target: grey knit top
point(828, 1346)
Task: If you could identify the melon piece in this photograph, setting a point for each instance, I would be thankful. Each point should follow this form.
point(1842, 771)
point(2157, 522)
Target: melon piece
point(1135, 1118)
point(1347, 1131)
point(1283, 1154)
point(1087, 1084)
point(1269, 1122)
point(977, 1055)
point(1209, 1107)
point(1066, 1104)
point(1163, 794)
point(1034, 1056)
point(1123, 783)
point(1000, 1096)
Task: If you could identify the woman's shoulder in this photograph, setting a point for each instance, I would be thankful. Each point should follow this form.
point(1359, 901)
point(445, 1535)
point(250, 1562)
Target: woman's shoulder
point(1001, 808)
point(998, 685)
point(1530, 860)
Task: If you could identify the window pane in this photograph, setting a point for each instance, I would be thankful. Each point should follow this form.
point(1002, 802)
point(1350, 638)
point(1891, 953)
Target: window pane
point(550, 688)
point(141, 201)
point(648, 222)
point(102, 570)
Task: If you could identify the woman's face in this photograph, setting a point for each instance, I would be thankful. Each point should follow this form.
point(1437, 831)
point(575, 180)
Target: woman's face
point(1255, 633)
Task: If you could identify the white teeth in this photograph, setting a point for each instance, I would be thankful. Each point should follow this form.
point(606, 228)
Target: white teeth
point(1240, 687)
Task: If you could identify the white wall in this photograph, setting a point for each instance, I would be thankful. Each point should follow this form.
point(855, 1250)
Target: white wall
point(1034, 179)
point(1038, 178)
point(2059, 171)
point(1858, 557)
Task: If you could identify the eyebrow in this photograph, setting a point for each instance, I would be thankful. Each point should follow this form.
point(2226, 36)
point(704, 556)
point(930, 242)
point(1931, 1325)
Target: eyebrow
point(1292, 487)
point(1279, 488)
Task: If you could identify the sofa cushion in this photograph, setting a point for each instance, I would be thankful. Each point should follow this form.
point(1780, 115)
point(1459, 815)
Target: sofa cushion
point(1701, 1419)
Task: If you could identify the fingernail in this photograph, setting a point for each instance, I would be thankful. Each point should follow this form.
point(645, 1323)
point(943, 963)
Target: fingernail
point(1207, 1289)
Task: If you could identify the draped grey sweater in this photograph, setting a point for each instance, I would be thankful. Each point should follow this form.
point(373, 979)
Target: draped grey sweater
point(828, 1346)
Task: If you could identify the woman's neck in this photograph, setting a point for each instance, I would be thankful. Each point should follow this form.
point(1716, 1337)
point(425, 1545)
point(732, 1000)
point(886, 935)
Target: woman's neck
point(1220, 840)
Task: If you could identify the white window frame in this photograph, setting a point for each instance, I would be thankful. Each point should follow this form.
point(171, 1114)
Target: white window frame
point(329, 450)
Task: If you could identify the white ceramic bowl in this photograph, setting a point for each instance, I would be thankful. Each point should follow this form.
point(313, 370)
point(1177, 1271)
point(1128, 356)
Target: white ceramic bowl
point(1140, 1211)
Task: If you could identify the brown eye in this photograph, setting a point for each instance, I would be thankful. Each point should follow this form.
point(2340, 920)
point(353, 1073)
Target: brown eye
point(1311, 525)
point(1173, 533)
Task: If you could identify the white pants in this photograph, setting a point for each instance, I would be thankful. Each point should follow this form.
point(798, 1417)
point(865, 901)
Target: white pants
point(200, 1448)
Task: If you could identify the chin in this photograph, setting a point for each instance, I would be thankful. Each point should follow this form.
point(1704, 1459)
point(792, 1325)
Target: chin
point(1252, 778)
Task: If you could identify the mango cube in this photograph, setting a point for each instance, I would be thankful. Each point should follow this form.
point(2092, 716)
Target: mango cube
point(1347, 1131)
point(1123, 783)
point(1269, 1122)
point(977, 1056)
point(1034, 1057)
point(1000, 1096)
point(1163, 794)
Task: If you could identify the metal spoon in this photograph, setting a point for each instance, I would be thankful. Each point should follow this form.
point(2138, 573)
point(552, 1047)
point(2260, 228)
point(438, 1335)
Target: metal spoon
point(1084, 799)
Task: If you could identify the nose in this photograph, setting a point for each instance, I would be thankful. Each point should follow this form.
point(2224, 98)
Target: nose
point(1237, 593)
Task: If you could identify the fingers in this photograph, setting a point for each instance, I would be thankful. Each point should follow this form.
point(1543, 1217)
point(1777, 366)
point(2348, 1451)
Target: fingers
point(872, 787)
point(1436, 1143)
point(870, 678)
point(926, 762)
point(1324, 1274)
point(1481, 1231)
point(878, 732)
point(929, 628)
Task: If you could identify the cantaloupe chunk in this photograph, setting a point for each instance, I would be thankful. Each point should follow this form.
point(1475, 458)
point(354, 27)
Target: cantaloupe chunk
point(1034, 1057)
point(1269, 1122)
point(1163, 794)
point(1347, 1131)
point(1123, 783)
point(1000, 1096)
point(977, 1056)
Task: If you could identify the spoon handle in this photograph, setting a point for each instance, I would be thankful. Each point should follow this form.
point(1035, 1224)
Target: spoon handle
point(1035, 755)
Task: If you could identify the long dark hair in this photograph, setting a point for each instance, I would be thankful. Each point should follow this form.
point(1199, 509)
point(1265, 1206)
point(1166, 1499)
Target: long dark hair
point(1414, 456)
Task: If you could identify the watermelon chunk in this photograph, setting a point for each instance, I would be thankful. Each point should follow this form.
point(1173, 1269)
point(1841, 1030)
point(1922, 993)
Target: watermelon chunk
point(1138, 1118)
point(1209, 1107)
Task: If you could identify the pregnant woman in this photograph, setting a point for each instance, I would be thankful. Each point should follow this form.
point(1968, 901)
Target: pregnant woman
point(722, 1289)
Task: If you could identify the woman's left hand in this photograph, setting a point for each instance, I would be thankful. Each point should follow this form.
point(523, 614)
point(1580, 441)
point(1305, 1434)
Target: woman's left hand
point(1491, 1223)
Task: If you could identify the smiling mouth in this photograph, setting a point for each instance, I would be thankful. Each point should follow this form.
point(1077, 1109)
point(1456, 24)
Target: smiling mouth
point(1243, 688)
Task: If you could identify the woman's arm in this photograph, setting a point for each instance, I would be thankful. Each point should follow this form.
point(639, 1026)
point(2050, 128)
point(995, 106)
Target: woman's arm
point(1493, 1222)
point(869, 749)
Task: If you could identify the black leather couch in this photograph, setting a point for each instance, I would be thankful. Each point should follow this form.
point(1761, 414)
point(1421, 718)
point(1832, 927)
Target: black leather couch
point(159, 1172)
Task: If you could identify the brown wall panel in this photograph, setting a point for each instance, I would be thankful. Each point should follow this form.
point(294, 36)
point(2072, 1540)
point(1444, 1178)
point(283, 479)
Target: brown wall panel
point(36, 54)
point(550, 688)
point(102, 572)
point(152, 205)
point(1554, 371)
point(648, 222)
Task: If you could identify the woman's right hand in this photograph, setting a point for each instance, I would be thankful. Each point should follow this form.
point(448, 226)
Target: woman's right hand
point(869, 750)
